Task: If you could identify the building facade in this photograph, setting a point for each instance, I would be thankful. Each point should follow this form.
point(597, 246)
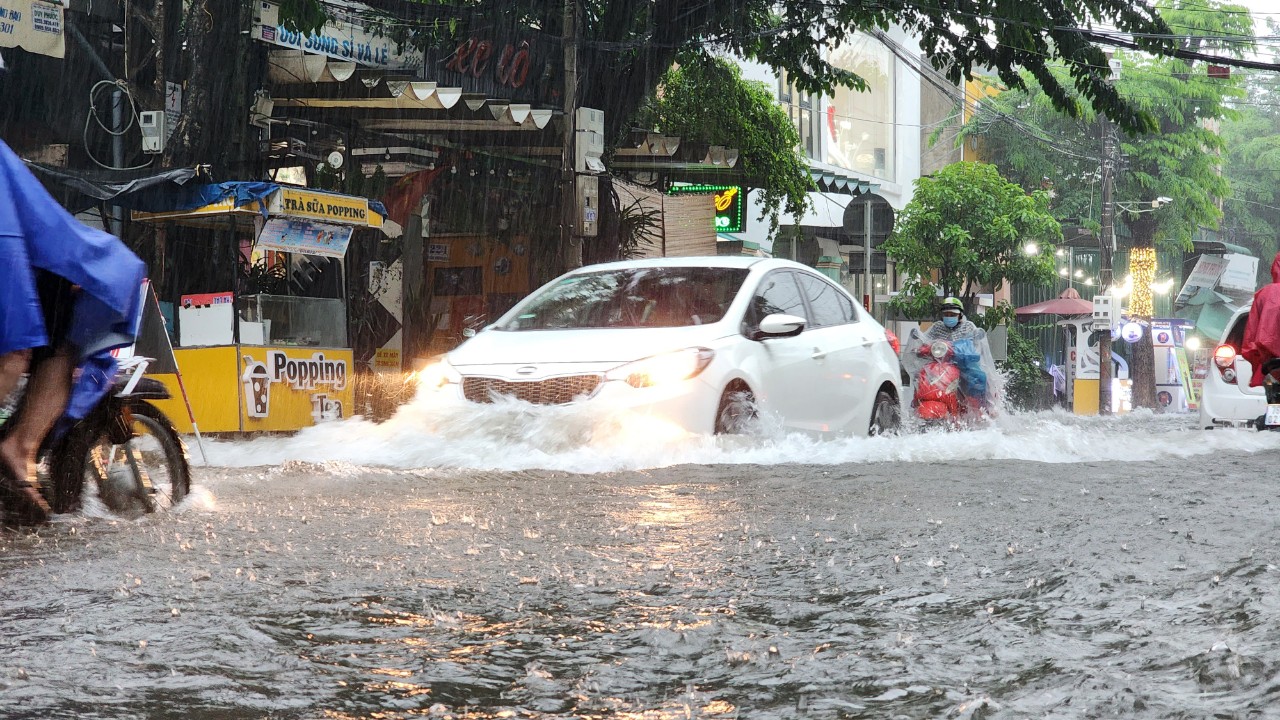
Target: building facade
point(864, 152)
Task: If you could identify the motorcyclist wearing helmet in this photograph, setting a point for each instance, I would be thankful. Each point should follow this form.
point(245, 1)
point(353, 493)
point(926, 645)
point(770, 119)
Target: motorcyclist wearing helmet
point(952, 324)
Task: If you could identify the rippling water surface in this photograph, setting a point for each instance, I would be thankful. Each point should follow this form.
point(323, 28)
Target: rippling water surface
point(522, 564)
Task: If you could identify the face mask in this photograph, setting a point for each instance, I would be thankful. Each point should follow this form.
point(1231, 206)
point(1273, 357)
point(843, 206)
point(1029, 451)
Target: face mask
point(950, 321)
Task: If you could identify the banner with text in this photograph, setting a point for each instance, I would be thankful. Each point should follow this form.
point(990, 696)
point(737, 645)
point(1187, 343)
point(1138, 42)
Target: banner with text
point(346, 36)
point(33, 25)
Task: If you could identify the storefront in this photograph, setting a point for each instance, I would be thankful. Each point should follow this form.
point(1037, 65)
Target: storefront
point(270, 348)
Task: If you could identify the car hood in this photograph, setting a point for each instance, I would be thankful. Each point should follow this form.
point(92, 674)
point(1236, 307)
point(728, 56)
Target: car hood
point(597, 345)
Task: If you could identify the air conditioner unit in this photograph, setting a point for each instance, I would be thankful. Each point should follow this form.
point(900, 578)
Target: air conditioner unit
point(154, 126)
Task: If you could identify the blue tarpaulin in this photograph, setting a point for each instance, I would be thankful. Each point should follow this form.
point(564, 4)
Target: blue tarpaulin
point(178, 199)
point(38, 234)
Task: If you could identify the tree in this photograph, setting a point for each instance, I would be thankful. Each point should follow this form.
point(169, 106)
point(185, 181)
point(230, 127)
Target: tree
point(706, 98)
point(1251, 214)
point(965, 231)
point(1032, 141)
point(625, 46)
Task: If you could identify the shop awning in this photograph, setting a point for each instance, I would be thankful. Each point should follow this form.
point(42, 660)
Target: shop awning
point(832, 179)
point(241, 202)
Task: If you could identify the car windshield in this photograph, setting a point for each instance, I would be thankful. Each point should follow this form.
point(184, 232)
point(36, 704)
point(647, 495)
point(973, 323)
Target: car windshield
point(650, 297)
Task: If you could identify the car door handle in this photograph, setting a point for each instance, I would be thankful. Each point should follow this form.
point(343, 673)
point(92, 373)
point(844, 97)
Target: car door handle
point(818, 354)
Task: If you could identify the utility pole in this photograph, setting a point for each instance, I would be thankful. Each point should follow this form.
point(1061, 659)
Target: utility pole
point(1106, 245)
point(571, 248)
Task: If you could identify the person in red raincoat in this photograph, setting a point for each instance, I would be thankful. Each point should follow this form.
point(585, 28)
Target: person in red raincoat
point(1262, 330)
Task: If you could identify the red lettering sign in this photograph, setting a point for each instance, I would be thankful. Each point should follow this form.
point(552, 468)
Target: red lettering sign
point(472, 58)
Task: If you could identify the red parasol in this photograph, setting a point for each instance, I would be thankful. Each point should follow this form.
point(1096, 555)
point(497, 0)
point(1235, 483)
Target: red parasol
point(1068, 303)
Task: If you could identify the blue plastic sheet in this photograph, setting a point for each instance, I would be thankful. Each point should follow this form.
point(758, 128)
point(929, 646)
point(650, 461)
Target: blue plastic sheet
point(973, 379)
point(37, 233)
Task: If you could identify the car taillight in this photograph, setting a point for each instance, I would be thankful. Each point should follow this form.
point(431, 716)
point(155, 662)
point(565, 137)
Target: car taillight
point(893, 340)
point(1225, 358)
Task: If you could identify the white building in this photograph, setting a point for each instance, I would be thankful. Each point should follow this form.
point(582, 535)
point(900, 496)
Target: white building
point(864, 149)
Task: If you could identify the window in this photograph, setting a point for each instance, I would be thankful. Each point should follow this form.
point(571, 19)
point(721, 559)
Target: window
point(632, 298)
point(805, 113)
point(830, 306)
point(778, 293)
point(862, 124)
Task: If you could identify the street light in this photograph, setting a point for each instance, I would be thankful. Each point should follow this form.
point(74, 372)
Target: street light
point(1031, 249)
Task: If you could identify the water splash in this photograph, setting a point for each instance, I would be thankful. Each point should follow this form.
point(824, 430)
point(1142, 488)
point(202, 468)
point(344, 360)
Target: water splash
point(518, 436)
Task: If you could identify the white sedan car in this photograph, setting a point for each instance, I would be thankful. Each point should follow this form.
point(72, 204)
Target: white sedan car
point(704, 342)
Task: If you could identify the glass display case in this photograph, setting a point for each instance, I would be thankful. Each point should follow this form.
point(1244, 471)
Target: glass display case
point(282, 320)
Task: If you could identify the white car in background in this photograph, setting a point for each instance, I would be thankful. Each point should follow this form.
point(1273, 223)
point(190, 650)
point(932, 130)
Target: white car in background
point(703, 342)
point(1226, 400)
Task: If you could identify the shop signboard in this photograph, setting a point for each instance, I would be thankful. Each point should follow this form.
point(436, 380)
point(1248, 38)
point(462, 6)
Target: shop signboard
point(521, 65)
point(289, 388)
point(1240, 275)
point(346, 36)
point(33, 25)
point(1176, 386)
point(730, 204)
point(302, 203)
point(304, 236)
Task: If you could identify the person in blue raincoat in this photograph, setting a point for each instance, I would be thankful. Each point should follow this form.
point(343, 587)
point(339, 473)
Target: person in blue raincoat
point(69, 295)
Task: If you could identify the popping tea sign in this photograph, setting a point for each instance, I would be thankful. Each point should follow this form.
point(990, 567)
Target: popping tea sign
point(322, 206)
point(292, 388)
point(303, 236)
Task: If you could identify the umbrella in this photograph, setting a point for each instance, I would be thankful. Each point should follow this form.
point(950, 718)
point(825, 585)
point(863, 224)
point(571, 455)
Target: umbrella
point(1068, 303)
point(1209, 310)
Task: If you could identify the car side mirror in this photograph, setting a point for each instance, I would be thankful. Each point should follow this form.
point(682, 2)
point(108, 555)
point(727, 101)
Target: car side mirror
point(779, 325)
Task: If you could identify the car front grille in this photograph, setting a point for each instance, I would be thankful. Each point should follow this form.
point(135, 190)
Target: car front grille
point(551, 391)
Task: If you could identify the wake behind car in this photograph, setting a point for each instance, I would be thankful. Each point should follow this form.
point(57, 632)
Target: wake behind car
point(703, 342)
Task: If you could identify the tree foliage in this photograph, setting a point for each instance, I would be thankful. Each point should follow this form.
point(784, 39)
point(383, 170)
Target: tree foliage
point(965, 231)
point(1182, 160)
point(1034, 144)
point(1251, 164)
point(706, 98)
point(626, 45)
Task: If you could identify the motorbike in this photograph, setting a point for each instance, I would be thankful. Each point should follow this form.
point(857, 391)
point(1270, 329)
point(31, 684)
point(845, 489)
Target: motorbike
point(937, 396)
point(953, 381)
point(125, 446)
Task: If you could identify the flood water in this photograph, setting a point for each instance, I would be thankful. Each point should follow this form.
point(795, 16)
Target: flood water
point(518, 564)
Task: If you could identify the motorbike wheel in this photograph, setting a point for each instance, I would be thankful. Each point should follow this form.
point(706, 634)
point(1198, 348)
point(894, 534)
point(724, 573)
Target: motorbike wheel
point(157, 478)
point(886, 416)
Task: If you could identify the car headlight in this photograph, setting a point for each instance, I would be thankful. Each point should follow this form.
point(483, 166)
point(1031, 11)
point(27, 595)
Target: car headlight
point(664, 368)
point(437, 375)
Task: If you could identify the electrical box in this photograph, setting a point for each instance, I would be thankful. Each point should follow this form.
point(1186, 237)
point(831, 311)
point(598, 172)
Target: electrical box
point(154, 125)
point(588, 156)
point(1103, 310)
point(587, 217)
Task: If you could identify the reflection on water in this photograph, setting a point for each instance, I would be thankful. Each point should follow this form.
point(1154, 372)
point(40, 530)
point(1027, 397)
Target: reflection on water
point(754, 588)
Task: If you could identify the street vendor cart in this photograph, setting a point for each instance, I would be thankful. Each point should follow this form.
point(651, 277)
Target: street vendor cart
point(263, 341)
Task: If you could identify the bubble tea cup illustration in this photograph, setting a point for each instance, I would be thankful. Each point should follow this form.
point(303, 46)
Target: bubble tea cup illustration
point(257, 388)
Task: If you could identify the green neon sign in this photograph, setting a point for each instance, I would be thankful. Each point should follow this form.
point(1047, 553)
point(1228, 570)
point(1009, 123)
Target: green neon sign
point(730, 202)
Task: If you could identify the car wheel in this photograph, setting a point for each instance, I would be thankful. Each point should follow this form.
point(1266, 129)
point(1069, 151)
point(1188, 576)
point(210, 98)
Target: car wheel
point(737, 410)
point(886, 416)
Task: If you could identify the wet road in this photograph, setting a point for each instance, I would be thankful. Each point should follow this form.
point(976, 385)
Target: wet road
point(856, 588)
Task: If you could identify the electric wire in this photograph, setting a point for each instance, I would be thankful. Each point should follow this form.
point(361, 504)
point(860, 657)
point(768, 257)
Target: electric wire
point(92, 116)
